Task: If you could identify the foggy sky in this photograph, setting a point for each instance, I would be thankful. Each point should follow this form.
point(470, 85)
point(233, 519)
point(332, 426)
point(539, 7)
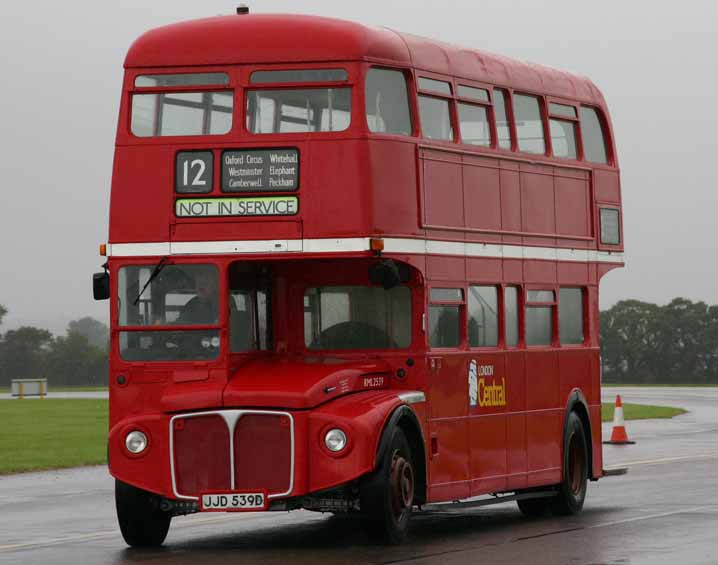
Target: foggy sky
point(61, 72)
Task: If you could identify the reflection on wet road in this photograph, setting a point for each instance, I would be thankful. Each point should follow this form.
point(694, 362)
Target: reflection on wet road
point(664, 511)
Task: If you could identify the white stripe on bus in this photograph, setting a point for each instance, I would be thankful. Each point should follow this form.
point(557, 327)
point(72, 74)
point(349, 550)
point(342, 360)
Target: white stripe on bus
point(358, 244)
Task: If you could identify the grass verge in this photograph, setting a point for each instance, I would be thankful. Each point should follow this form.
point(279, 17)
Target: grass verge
point(640, 411)
point(58, 433)
point(51, 434)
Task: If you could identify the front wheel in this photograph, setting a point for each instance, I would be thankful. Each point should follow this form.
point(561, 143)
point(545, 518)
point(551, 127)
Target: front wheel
point(572, 490)
point(142, 522)
point(387, 497)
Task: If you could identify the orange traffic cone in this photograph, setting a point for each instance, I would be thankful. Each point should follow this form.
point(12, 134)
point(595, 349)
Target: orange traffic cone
point(619, 435)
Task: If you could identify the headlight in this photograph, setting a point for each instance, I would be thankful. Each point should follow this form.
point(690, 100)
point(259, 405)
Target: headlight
point(335, 440)
point(136, 442)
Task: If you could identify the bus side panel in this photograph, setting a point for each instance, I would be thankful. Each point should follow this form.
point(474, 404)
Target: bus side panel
point(393, 185)
point(544, 422)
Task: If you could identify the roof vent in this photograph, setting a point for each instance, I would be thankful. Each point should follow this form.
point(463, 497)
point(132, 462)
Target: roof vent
point(242, 10)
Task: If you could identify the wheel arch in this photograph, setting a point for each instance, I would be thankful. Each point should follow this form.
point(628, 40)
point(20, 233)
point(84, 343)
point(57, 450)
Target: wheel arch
point(406, 419)
point(577, 403)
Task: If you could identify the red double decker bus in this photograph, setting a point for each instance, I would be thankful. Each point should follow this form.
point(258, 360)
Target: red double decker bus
point(352, 270)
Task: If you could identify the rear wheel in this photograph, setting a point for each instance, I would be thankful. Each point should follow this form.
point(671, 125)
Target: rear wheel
point(387, 497)
point(572, 490)
point(142, 523)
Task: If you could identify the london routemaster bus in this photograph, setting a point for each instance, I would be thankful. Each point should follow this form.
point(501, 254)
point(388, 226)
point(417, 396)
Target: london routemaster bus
point(352, 270)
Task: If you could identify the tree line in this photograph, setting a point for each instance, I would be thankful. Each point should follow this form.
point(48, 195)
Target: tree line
point(640, 343)
point(672, 344)
point(77, 358)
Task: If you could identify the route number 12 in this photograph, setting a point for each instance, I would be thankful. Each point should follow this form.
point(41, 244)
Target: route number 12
point(193, 172)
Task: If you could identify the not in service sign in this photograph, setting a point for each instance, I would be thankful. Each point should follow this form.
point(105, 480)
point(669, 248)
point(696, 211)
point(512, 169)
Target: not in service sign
point(260, 170)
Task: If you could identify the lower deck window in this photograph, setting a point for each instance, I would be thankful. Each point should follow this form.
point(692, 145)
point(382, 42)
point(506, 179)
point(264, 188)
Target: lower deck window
point(357, 317)
point(570, 316)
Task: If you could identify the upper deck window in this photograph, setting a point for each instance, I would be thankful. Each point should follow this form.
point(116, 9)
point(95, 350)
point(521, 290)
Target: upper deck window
point(472, 93)
point(182, 113)
point(529, 126)
point(594, 144)
point(387, 102)
point(438, 86)
point(503, 128)
point(562, 125)
point(299, 75)
point(298, 110)
point(177, 80)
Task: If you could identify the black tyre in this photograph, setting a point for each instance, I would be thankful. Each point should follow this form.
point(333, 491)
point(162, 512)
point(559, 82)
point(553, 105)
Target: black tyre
point(535, 506)
point(572, 490)
point(387, 497)
point(142, 523)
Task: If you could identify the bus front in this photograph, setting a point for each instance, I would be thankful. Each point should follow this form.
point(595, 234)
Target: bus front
point(261, 345)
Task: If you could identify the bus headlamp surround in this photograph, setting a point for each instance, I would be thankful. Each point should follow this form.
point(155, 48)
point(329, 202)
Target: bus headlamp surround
point(136, 442)
point(335, 440)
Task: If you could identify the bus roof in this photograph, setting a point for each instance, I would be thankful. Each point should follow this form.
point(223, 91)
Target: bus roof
point(223, 40)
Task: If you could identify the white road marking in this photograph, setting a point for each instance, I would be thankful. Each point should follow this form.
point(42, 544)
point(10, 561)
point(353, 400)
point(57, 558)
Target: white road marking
point(663, 461)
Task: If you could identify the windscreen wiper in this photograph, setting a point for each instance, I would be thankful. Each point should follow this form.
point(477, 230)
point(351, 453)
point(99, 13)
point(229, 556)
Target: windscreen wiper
point(157, 270)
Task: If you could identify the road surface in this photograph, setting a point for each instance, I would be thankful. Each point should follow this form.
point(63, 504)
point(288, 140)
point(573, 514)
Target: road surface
point(664, 511)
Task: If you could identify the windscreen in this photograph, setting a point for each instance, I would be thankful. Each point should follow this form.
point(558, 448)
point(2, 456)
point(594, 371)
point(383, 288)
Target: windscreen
point(357, 317)
point(168, 295)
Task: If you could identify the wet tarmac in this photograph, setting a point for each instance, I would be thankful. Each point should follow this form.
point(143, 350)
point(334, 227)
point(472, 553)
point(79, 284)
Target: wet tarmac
point(664, 511)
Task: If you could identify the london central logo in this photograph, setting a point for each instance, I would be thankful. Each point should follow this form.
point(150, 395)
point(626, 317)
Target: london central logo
point(484, 390)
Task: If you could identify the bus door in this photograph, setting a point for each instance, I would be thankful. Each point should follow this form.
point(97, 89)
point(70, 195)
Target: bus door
point(447, 386)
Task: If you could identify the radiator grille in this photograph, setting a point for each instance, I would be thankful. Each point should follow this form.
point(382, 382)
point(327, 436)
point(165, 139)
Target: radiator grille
point(262, 458)
point(262, 453)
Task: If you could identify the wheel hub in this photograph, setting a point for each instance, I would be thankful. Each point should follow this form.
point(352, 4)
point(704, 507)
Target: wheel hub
point(402, 485)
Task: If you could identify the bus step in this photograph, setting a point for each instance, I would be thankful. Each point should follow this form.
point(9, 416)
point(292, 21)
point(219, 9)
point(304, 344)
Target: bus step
point(485, 501)
point(615, 471)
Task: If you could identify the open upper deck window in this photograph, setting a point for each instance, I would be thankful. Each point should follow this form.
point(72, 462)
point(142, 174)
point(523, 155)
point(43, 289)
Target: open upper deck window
point(298, 110)
point(562, 124)
point(387, 102)
point(161, 114)
point(473, 110)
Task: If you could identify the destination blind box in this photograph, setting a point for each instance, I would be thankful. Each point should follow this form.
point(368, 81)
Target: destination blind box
point(260, 170)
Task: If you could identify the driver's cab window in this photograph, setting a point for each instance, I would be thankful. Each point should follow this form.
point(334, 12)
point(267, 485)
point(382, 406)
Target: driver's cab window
point(357, 317)
point(250, 324)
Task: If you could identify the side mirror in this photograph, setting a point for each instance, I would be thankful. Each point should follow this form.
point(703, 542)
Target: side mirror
point(101, 286)
point(388, 273)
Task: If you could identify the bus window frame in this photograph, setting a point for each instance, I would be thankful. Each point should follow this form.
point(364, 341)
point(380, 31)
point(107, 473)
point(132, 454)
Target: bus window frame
point(130, 90)
point(354, 77)
point(584, 316)
point(222, 314)
point(412, 99)
point(543, 112)
point(450, 98)
point(462, 321)
point(576, 121)
point(555, 342)
point(607, 137)
point(489, 106)
point(520, 317)
point(500, 318)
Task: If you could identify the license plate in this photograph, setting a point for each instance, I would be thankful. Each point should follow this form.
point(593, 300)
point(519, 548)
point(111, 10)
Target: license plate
point(233, 501)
